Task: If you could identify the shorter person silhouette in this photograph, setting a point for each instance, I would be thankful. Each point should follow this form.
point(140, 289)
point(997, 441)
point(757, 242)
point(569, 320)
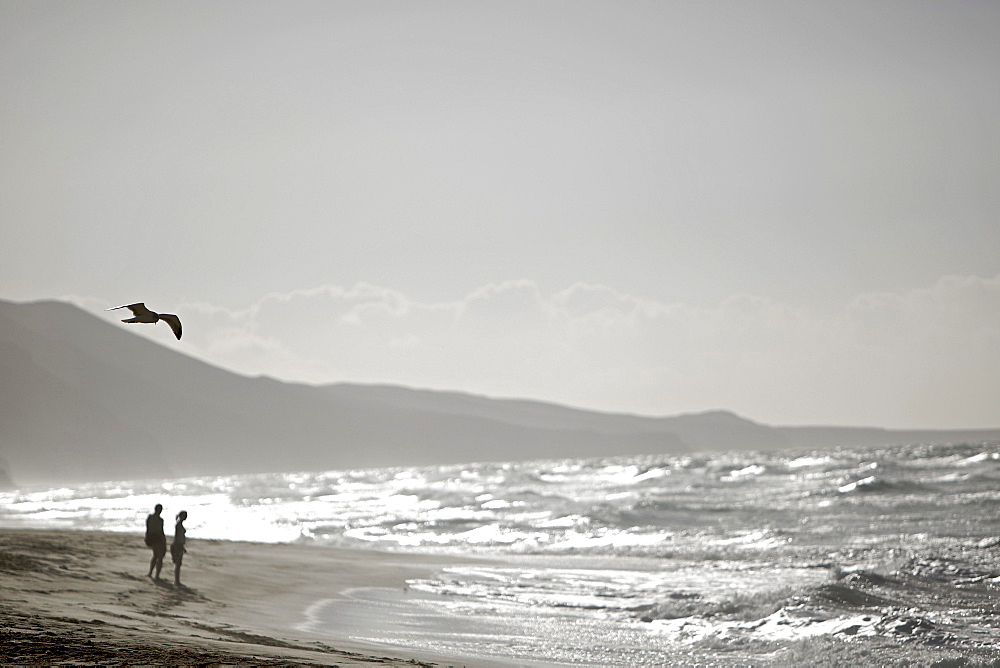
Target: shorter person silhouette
point(177, 549)
point(156, 540)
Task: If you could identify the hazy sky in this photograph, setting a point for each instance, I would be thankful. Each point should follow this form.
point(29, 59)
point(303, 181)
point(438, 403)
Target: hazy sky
point(786, 209)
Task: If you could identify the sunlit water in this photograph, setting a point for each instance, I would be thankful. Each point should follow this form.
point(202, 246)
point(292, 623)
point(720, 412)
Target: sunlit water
point(622, 561)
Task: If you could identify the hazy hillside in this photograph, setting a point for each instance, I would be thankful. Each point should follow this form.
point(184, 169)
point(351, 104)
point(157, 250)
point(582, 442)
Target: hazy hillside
point(81, 399)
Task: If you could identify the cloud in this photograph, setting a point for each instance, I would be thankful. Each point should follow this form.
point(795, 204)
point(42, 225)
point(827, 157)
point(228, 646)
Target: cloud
point(930, 352)
point(921, 358)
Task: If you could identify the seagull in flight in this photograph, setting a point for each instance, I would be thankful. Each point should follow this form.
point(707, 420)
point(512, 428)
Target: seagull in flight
point(143, 314)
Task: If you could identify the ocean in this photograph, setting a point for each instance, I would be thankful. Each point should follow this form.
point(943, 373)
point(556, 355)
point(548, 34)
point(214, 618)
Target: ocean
point(722, 559)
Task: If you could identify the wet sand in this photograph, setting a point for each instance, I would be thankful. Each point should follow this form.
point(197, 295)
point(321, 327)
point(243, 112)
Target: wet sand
point(84, 597)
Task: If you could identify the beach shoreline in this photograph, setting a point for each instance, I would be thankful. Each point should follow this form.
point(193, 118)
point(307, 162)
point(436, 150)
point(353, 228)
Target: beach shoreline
point(83, 596)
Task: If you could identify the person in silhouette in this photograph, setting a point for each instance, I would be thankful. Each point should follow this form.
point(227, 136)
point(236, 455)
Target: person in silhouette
point(177, 549)
point(156, 540)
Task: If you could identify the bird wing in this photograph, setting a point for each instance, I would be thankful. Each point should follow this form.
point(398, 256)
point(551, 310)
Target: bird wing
point(174, 322)
point(138, 310)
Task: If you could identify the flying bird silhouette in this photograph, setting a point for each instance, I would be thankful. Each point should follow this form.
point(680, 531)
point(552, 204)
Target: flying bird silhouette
point(143, 314)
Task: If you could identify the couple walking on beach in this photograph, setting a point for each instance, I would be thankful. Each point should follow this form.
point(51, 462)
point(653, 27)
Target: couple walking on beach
point(157, 541)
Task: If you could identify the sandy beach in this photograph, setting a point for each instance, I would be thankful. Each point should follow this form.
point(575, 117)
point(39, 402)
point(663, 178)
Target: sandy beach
point(84, 597)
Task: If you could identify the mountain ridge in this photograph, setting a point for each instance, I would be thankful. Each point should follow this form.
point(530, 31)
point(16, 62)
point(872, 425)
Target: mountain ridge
point(82, 399)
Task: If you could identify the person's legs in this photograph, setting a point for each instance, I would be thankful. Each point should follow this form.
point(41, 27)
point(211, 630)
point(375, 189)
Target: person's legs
point(178, 556)
point(157, 562)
